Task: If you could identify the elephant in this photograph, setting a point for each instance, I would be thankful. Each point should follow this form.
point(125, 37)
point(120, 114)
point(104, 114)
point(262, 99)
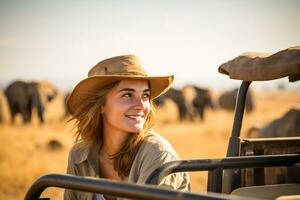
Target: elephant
point(24, 96)
point(287, 125)
point(191, 101)
point(1, 110)
point(202, 101)
point(227, 100)
point(4, 108)
point(197, 100)
point(177, 97)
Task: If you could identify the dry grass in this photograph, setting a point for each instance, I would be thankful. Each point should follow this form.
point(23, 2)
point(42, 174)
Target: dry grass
point(24, 154)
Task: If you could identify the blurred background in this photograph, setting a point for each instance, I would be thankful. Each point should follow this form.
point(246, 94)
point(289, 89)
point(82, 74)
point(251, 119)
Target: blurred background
point(49, 46)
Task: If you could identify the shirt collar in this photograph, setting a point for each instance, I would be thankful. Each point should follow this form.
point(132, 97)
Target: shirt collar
point(89, 153)
point(79, 154)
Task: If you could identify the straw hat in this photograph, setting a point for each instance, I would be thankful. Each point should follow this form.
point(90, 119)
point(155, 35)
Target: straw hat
point(116, 69)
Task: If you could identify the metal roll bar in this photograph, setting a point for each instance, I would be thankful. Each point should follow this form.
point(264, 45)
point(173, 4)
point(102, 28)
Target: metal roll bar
point(110, 187)
point(232, 177)
point(221, 163)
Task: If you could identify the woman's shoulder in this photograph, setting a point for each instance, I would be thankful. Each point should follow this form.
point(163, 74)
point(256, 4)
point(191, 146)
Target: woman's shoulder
point(153, 153)
point(78, 153)
point(157, 143)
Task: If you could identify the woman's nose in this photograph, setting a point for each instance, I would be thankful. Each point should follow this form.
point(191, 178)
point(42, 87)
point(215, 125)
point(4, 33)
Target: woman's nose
point(139, 104)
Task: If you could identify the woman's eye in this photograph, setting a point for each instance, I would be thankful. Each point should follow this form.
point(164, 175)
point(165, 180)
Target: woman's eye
point(146, 95)
point(126, 95)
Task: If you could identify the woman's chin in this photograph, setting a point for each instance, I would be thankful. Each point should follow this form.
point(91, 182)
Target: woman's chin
point(136, 129)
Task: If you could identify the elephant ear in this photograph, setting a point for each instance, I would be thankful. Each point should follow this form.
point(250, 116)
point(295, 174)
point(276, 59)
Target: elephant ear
point(47, 90)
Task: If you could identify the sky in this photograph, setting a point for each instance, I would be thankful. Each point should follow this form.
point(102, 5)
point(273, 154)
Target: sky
point(60, 40)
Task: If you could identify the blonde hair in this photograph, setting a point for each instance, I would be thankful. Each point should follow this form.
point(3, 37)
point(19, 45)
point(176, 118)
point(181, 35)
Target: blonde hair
point(88, 120)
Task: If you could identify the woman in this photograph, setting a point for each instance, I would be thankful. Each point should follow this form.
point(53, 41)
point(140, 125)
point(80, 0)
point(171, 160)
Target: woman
point(114, 115)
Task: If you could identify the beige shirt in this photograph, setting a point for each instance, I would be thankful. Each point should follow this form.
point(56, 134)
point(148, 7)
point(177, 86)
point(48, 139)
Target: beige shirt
point(154, 152)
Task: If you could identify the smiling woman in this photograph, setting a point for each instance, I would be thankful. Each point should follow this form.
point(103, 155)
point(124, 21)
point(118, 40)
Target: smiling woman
point(127, 107)
point(114, 115)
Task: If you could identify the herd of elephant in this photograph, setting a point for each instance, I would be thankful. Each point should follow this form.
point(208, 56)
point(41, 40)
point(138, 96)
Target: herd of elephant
point(191, 102)
point(287, 125)
point(22, 97)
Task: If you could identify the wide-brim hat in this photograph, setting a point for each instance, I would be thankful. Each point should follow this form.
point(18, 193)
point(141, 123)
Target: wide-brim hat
point(116, 69)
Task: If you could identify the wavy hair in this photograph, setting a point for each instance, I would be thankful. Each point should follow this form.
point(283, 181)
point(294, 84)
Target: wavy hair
point(88, 121)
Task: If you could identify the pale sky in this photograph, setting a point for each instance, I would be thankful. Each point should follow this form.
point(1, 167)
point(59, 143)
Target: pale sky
point(61, 40)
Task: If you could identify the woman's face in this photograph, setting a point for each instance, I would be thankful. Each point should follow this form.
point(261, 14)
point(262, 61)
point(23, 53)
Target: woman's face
point(127, 106)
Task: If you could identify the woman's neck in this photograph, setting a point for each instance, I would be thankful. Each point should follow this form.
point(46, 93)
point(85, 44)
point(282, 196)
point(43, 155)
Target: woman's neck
point(113, 141)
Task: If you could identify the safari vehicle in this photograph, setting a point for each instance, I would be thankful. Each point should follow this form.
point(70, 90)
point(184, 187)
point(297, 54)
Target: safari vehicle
point(264, 168)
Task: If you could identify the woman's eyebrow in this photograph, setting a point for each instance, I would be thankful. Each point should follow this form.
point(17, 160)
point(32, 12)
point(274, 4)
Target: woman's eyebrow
point(126, 89)
point(147, 90)
point(132, 90)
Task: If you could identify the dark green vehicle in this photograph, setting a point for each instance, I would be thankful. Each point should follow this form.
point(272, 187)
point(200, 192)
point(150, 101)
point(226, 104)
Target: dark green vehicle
point(262, 168)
